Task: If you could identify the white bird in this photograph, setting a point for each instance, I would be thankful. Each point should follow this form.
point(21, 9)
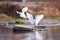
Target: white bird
point(22, 14)
point(30, 16)
point(36, 20)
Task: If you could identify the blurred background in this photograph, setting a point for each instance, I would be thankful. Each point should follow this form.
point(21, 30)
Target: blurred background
point(46, 7)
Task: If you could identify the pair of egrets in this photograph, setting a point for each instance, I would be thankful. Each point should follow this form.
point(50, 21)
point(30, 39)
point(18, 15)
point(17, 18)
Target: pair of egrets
point(32, 20)
point(30, 16)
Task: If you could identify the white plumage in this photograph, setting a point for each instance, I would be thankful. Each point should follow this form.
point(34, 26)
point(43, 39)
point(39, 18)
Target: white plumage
point(30, 17)
point(25, 9)
point(22, 14)
point(38, 18)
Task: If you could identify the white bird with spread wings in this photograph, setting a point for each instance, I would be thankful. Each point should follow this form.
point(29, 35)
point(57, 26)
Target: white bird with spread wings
point(36, 20)
point(30, 16)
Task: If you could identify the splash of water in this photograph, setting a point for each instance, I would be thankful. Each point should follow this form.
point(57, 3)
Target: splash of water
point(38, 36)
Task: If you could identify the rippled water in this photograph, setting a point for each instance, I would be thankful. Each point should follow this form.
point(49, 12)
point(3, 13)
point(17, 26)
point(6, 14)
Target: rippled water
point(37, 35)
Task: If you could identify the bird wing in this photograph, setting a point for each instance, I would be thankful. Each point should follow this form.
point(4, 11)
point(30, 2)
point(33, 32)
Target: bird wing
point(30, 17)
point(38, 18)
point(22, 14)
point(25, 9)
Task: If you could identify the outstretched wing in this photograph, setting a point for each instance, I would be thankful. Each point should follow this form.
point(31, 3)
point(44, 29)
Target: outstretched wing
point(30, 17)
point(25, 9)
point(38, 18)
point(21, 14)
